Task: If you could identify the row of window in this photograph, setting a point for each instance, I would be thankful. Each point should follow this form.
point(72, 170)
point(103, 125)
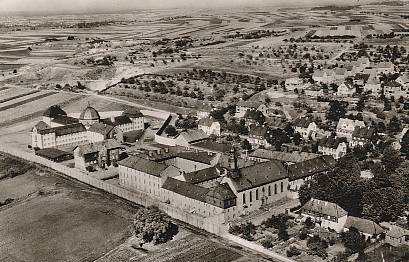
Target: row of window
point(263, 192)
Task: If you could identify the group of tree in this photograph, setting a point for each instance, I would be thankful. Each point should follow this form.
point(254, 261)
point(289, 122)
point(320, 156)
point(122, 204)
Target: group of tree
point(152, 225)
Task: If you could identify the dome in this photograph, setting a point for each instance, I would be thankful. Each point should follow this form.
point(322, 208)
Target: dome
point(89, 113)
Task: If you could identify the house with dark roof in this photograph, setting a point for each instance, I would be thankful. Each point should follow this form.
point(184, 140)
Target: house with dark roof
point(325, 214)
point(210, 126)
point(45, 136)
point(373, 85)
point(97, 154)
point(243, 106)
point(189, 137)
point(287, 158)
point(101, 131)
point(145, 175)
point(193, 161)
point(211, 146)
point(346, 89)
point(306, 127)
point(395, 235)
point(335, 147)
point(208, 177)
point(257, 136)
point(54, 154)
point(369, 229)
point(361, 136)
point(346, 127)
point(258, 185)
point(303, 171)
point(395, 89)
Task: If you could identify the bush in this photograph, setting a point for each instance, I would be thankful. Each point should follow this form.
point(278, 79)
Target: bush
point(303, 234)
point(267, 243)
point(293, 252)
point(115, 164)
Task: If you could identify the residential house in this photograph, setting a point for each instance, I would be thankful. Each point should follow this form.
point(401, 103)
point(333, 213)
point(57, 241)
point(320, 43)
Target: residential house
point(243, 106)
point(97, 154)
point(257, 136)
point(294, 83)
point(346, 89)
point(100, 131)
point(314, 90)
point(396, 235)
point(403, 80)
point(369, 229)
point(265, 155)
point(346, 127)
point(189, 137)
point(325, 214)
point(204, 111)
point(210, 126)
point(374, 86)
point(340, 74)
point(360, 79)
point(334, 147)
point(361, 136)
point(385, 67)
point(306, 127)
point(395, 89)
point(45, 136)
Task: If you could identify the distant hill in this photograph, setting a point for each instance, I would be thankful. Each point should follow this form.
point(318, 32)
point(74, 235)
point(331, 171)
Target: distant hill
point(333, 8)
point(389, 3)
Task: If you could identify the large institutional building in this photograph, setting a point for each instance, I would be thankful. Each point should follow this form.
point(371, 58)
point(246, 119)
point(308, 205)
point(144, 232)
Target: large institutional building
point(57, 129)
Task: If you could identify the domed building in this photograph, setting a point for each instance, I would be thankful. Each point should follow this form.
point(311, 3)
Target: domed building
point(89, 116)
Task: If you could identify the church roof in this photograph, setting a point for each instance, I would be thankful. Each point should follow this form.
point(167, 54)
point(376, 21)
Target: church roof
point(54, 111)
point(132, 113)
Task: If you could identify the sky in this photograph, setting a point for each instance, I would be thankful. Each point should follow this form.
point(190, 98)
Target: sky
point(115, 5)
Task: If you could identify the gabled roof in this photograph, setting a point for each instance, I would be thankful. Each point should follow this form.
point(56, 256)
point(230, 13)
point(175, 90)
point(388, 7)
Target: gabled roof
point(108, 144)
point(385, 65)
point(364, 225)
point(200, 157)
point(132, 113)
point(340, 71)
point(64, 130)
point(349, 123)
point(360, 76)
point(192, 136)
point(249, 104)
point(294, 157)
point(144, 165)
point(259, 131)
point(52, 153)
point(202, 175)
point(404, 79)
point(349, 85)
point(373, 81)
point(259, 175)
point(392, 84)
point(311, 167)
point(221, 192)
point(185, 189)
point(303, 122)
point(210, 145)
point(207, 121)
point(65, 120)
point(118, 121)
point(42, 126)
point(363, 132)
point(330, 142)
point(397, 232)
point(323, 208)
point(101, 128)
point(54, 111)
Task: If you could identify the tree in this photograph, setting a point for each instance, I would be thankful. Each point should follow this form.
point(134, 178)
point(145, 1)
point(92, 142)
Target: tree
point(387, 105)
point(317, 246)
point(293, 252)
point(152, 225)
point(171, 131)
point(277, 137)
point(337, 110)
point(353, 241)
point(405, 145)
point(360, 105)
point(391, 159)
point(394, 125)
point(246, 145)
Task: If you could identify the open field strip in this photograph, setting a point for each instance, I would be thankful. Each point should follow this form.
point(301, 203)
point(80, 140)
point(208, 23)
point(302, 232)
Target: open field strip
point(11, 91)
point(34, 106)
point(4, 88)
point(25, 101)
point(18, 96)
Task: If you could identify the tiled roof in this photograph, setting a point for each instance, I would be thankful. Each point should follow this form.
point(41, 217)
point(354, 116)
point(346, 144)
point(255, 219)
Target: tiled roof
point(193, 135)
point(221, 192)
point(249, 104)
point(118, 121)
point(65, 120)
point(373, 81)
point(225, 161)
point(303, 122)
point(208, 121)
point(349, 123)
point(185, 189)
point(54, 111)
point(359, 76)
point(132, 113)
point(330, 142)
point(385, 65)
point(259, 131)
point(64, 130)
point(392, 84)
point(144, 165)
point(364, 225)
point(363, 132)
point(108, 144)
point(213, 146)
point(52, 153)
point(311, 167)
point(201, 157)
point(340, 71)
point(294, 157)
point(101, 128)
point(397, 232)
point(42, 126)
point(258, 175)
point(323, 208)
point(202, 175)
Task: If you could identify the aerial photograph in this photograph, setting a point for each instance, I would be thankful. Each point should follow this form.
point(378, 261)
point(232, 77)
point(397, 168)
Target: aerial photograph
point(208, 131)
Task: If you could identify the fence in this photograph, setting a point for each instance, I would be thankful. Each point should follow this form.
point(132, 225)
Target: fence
point(210, 224)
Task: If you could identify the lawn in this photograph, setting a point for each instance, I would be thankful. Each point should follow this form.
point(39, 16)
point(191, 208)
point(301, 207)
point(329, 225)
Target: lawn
point(52, 219)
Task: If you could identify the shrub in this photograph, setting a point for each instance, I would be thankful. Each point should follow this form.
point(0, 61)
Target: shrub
point(267, 243)
point(303, 234)
point(293, 251)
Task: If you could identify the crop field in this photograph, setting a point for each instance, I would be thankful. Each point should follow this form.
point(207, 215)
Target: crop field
point(13, 93)
point(52, 219)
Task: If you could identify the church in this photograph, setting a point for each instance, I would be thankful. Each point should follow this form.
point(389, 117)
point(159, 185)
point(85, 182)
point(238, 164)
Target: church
point(57, 129)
